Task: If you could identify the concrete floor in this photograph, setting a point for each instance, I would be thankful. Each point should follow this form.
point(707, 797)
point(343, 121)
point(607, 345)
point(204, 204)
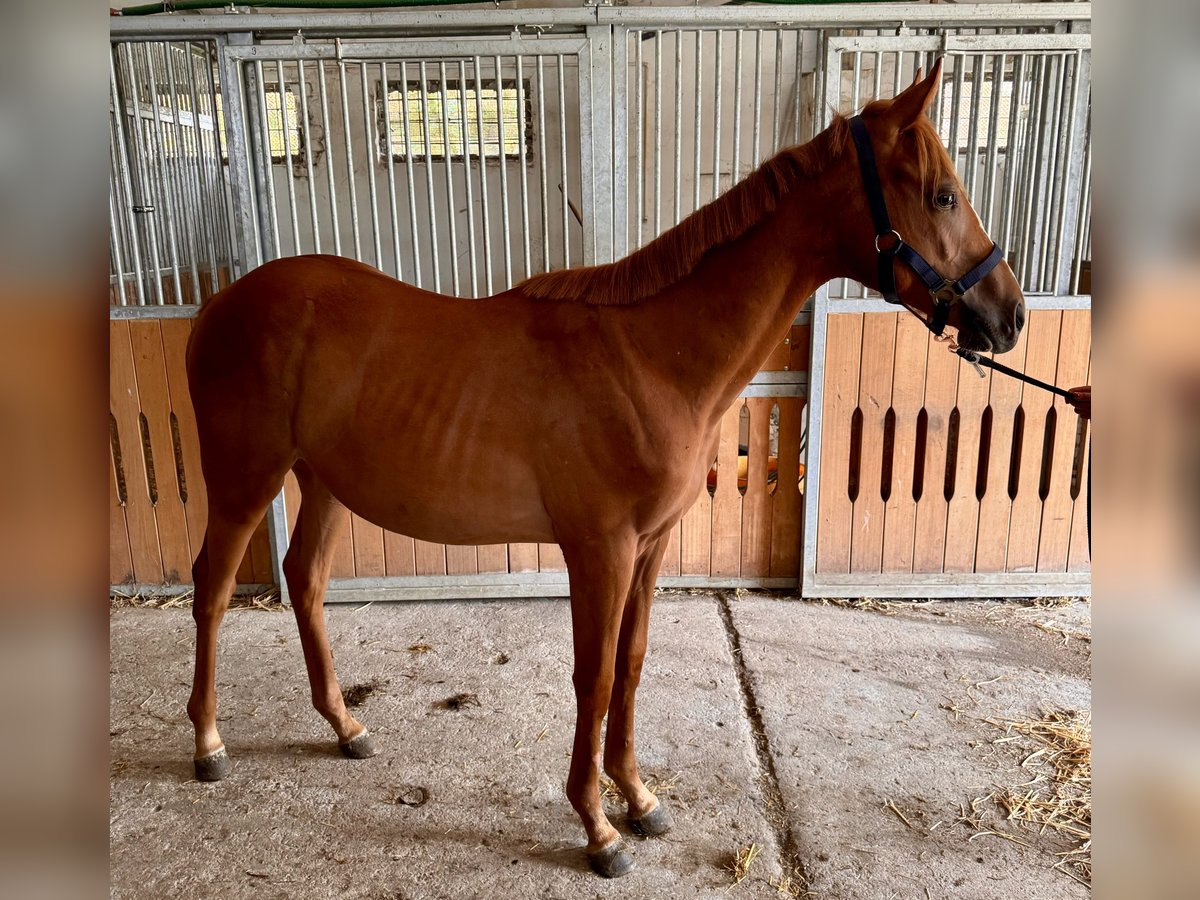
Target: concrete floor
point(784, 724)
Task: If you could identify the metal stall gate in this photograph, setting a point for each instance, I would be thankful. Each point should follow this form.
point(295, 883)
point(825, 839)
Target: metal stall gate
point(463, 151)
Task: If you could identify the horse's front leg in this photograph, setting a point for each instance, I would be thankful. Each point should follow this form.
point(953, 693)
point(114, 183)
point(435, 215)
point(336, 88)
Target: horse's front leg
point(600, 574)
point(647, 815)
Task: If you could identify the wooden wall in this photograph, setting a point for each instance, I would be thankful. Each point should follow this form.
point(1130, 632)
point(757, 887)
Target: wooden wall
point(928, 468)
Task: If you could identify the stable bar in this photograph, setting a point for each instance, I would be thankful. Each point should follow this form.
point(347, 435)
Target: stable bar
point(212, 223)
point(658, 37)
point(314, 222)
point(183, 183)
point(287, 150)
point(408, 168)
point(451, 213)
point(166, 191)
point(992, 143)
point(697, 121)
point(349, 148)
point(235, 242)
point(566, 195)
point(502, 157)
point(678, 125)
point(428, 161)
point(465, 139)
point(266, 158)
point(542, 160)
point(736, 174)
point(639, 117)
point(125, 179)
point(244, 236)
point(333, 202)
point(389, 161)
point(143, 178)
point(483, 186)
point(521, 155)
point(369, 155)
point(717, 91)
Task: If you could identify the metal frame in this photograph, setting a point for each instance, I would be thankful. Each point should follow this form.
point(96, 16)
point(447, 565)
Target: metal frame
point(599, 37)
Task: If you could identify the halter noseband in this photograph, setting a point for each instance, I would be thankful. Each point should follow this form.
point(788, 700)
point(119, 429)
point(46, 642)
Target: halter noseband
point(889, 245)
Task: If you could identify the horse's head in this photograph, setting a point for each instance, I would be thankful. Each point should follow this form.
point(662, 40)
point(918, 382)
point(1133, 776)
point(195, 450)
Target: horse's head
point(930, 214)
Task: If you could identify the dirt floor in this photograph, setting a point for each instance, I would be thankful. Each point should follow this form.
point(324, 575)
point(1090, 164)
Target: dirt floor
point(848, 744)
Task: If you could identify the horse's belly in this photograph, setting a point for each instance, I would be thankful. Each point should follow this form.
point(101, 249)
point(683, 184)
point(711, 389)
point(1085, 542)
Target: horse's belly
point(445, 504)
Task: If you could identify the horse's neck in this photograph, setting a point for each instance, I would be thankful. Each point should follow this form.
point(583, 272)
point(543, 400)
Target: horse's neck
point(713, 329)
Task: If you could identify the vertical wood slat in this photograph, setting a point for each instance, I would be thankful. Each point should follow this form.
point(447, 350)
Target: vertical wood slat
point(941, 388)
point(756, 502)
point(155, 402)
point(787, 503)
point(670, 561)
point(260, 553)
point(550, 558)
point(141, 527)
point(1041, 360)
point(834, 515)
point(175, 334)
point(369, 559)
point(995, 508)
point(461, 560)
point(695, 536)
point(1054, 539)
point(120, 562)
point(492, 558)
point(908, 394)
point(400, 554)
point(962, 514)
point(343, 546)
point(431, 558)
point(874, 399)
point(524, 557)
point(726, 558)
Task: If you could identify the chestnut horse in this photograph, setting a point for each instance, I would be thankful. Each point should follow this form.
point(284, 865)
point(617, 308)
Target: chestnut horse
point(581, 407)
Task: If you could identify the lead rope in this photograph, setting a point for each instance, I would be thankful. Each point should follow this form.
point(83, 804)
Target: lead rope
point(976, 360)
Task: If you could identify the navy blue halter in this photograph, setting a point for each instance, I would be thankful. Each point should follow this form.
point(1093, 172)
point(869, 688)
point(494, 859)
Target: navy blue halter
point(889, 245)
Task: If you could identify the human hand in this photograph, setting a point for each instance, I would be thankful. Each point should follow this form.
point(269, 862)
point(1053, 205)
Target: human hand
point(1081, 401)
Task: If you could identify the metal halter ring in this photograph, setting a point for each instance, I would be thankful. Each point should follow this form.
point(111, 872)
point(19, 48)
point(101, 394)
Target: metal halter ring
point(895, 247)
point(944, 292)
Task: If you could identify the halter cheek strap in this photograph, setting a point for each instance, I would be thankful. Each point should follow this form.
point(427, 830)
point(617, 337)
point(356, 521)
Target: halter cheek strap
point(889, 246)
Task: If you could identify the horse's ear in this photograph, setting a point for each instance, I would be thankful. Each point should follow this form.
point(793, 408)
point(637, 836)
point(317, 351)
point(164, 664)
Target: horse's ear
point(909, 106)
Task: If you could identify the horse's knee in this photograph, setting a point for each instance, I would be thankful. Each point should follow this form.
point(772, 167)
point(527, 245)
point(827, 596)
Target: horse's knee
point(328, 701)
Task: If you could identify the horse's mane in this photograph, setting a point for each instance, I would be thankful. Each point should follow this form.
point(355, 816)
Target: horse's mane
point(676, 252)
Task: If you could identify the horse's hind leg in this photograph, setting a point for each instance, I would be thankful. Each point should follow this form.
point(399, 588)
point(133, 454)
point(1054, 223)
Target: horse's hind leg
point(647, 815)
point(214, 574)
point(306, 567)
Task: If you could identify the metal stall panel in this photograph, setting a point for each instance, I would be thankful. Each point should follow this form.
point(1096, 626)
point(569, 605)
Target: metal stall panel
point(455, 166)
point(170, 244)
point(925, 477)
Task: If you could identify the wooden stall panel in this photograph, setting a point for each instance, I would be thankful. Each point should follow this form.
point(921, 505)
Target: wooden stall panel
point(695, 536)
point(431, 558)
point(1079, 557)
point(834, 517)
point(550, 558)
point(874, 400)
point(995, 507)
point(141, 527)
point(908, 394)
point(1055, 538)
point(461, 560)
point(1041, 359)
point(155, 401)
point(941, 388)
point(120, 563)
point(727, 501)
point(670, 561)
point(524, 557)
point(400, 554)
point(787, 503)
point(756, 502)
point(369, 556)
point(962, 513)
point(175, 334)
point(492, 558)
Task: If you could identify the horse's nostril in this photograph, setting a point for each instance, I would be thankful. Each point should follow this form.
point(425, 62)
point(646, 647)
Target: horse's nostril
point(1019, 319)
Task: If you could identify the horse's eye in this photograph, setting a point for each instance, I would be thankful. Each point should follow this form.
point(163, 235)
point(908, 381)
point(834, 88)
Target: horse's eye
point(945, 200)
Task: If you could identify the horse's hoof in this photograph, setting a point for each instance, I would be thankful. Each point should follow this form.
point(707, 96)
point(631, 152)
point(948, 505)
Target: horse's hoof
point(611, 862)
point(213, 767)
point(654, 823)
point(361, 747)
